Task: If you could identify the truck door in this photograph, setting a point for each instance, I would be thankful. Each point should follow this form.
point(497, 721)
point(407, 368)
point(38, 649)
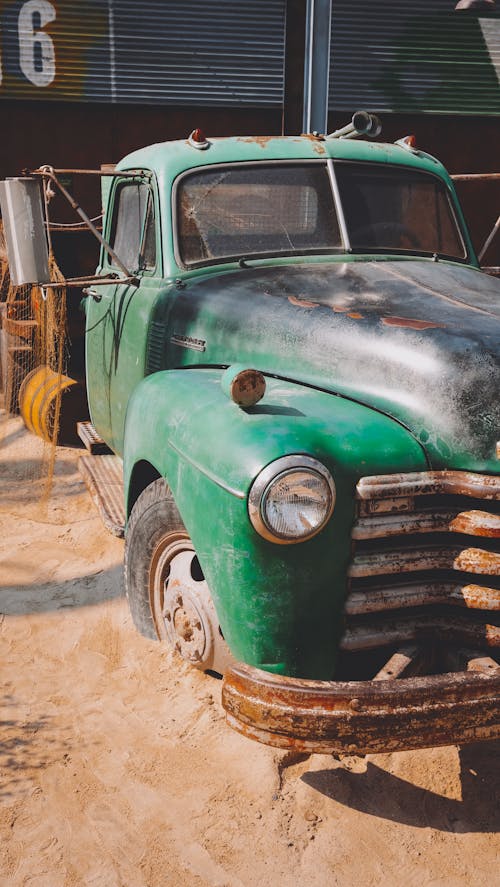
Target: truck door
point(118, 313)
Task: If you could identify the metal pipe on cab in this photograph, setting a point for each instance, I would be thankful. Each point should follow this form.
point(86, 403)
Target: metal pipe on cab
point(363, 123)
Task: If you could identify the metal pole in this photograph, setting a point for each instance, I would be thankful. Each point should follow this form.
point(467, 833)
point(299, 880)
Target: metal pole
point(317, 65)
point(477, 177)
point(489, 240)
point(112, 56)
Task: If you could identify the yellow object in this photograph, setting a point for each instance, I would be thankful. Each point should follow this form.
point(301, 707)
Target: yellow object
point(38, 404)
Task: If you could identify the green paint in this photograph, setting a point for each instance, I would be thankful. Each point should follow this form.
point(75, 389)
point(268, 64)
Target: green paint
point(280, 606)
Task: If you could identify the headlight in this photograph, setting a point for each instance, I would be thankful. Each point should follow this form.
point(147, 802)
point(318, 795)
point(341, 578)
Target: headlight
point(291, 499)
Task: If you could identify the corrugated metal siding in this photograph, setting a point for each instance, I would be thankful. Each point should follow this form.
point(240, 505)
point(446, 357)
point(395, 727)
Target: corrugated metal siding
point(228, 53)
point(414, 56)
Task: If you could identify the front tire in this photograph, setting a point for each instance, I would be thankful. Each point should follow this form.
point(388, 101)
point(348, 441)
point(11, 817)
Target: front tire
point(166, 590)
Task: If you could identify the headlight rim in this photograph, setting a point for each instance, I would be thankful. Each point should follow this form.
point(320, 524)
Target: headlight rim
point(271, 473)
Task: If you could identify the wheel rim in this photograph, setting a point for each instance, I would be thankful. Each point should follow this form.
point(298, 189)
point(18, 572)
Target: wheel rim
point(177, 590)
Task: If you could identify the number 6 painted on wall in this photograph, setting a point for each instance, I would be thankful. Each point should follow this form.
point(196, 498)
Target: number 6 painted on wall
point(37, 58)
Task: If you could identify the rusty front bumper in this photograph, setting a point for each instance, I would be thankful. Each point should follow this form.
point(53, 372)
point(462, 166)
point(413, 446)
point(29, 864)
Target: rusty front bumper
point(360, 717)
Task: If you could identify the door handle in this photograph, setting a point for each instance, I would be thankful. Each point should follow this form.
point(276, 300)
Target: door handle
point(94, 294)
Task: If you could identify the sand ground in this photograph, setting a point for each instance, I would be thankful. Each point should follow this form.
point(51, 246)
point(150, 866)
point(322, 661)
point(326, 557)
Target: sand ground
point(117, 768)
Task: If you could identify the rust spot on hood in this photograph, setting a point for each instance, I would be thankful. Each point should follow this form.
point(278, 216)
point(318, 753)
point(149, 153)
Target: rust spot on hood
point(338, 309)
point(411, 323)
point(302, 303)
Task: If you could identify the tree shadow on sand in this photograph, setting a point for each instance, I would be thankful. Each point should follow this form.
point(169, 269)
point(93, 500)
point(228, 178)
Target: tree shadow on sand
point(386, 796)
point(27, 746)
point(81, 591)
point(33, 473)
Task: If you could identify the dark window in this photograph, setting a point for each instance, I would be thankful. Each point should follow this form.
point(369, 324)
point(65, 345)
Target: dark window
point(256, 210)
point(149, 243)
point(397, 209)
point(133, 232)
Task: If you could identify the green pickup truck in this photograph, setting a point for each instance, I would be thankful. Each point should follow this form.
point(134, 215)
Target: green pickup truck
point(302, 378)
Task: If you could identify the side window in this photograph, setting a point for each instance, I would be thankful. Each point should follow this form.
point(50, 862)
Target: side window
point(133, 235)
point(149, 242)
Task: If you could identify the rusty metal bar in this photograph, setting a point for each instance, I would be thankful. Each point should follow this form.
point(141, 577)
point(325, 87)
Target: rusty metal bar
point(472, 523)
point(472, 597)
point(484, 664)
point(465, 483)
point(467, 560)
point(83, 280)
point(476, 560)
point(408, 661)
point(471, 660)
point(476, 523)
point(476, 177)
point(382, 526)
point(54, 227)
point(394, 632)
point(86, 281)
point(361, 717)
point(90, 172)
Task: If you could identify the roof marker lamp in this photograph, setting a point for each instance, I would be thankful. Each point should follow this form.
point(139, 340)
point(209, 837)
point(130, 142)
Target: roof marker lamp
point(291, 499)
point(197, 139)
point(408, 142)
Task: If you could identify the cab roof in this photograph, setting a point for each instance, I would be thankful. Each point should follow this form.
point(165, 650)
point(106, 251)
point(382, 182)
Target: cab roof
point(169, 159)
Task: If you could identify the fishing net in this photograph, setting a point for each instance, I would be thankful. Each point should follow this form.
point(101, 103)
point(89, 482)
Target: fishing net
point(33, 363)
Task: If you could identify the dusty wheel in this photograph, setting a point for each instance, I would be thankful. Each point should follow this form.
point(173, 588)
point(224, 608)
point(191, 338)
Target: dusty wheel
point(166, 590)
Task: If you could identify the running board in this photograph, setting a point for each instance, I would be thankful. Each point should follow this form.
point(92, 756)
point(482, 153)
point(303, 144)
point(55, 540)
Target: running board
point(91, 440)
point(103, 476)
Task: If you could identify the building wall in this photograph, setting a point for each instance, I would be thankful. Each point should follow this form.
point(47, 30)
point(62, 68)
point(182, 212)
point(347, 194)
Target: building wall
point(85, 132)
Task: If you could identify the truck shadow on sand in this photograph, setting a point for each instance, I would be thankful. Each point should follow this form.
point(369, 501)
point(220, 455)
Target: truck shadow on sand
point(386, 796)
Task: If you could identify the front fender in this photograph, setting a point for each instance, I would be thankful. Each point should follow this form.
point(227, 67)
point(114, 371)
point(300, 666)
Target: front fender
point(280, 606)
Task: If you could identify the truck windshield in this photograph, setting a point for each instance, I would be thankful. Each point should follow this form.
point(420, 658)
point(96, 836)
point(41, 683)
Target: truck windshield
point(259, 209)
point(274, 209)
point(394, 208)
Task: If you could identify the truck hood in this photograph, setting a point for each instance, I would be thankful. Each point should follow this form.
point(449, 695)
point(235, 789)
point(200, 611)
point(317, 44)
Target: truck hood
point(417, 340)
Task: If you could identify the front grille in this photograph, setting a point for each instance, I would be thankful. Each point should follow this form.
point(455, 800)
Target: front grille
point(426, 565)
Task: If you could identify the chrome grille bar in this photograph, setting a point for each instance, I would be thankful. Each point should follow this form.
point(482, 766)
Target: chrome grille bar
point(464, 483)
point(471, 523)
point(377, 600)
point(465, 560)
point(419, 527)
